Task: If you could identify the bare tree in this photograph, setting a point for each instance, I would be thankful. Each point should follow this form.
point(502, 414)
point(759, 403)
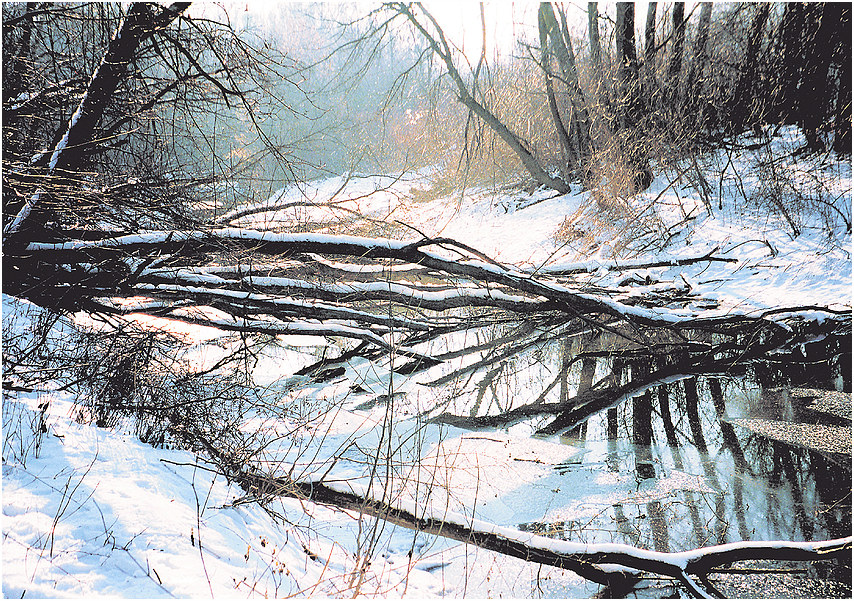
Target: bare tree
point(811, 53)
point(427, 26)
point(116, 143)
point(555, 42)
point(630, 107)
point(677, 48)
point(842, 112)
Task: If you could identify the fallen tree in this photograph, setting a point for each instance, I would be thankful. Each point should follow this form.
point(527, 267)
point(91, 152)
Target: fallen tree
point(392, 296)
point(202, 263)
point(616, 566)
point(396, 295)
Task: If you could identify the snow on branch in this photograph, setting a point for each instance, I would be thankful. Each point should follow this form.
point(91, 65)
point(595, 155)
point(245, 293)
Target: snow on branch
point(189, 243)
point(612, 564)
point(213, 267)
point(605, 563)
point(139, 23)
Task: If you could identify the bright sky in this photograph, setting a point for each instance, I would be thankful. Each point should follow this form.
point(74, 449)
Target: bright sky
point(462, 23)
point(506, 22)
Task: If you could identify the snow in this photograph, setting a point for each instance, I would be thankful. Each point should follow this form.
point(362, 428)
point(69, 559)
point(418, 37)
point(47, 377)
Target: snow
point(94, 512)
point(22, 215)
point(233, 233)
point(417, 296)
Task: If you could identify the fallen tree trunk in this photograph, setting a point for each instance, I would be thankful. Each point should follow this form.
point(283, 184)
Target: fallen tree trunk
point(405, 291)
point(611, 564)
point(129, 257)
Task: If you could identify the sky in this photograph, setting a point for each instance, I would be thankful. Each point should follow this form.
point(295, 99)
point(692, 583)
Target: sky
point(506, 22)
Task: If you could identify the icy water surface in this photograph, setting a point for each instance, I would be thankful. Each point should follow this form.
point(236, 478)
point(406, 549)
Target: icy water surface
point(713, 460)
point(711, 481)
point(759, 452)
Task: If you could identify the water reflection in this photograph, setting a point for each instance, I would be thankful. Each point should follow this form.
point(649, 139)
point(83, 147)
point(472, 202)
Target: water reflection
point(667, 460)
point(701, 480)
point(700, 477)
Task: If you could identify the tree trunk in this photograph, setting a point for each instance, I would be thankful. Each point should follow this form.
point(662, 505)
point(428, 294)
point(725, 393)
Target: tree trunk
point(818, 62)
point(593, 32)
point(746, 109)
point(630, 106)
point(666, 417)
point(692, 405)
point(16, 65)
point(571, 157)
point(649, 38)
point(789, 50)
point(601, 102)
point(842, 114)
point(553, 44)
point(678, 44)
point(69, 153)
point(696, 78)
point(582, 122)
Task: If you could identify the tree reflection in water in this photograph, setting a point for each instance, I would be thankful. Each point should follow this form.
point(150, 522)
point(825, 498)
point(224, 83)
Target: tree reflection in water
point(664, 463)
point(699, 479)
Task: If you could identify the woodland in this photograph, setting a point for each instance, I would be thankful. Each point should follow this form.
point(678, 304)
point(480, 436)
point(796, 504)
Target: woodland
point(359, 290)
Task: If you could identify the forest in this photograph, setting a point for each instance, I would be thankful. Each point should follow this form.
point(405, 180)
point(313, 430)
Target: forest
point(529, 300)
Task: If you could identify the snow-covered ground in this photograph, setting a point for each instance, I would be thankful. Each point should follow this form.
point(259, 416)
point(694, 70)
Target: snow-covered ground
point(93, 512)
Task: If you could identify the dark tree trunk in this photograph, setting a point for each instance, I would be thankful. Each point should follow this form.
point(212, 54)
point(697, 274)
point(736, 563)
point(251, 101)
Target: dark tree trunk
point(678, 44)
point(842, 115)
point(820, 53)
point(649, 38)
point(630, 106)
point(696, 78)
point(789, 50)
point(745, 106)
point(612, 423)
point(642, 425)
point(617, 371)
point(593, 32)
point(15, 65)
point(842, 109)
point(666, 417)
point(651, 89)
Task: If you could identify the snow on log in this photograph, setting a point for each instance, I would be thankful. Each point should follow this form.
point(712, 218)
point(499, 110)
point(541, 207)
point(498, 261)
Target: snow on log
point(612, 564)
point(466, 279)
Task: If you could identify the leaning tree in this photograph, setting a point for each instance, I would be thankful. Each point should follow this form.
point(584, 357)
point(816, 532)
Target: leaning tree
point(106, 211)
